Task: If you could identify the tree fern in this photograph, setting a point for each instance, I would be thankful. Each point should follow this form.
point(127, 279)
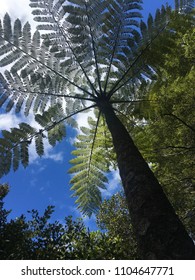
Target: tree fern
point(84, 54)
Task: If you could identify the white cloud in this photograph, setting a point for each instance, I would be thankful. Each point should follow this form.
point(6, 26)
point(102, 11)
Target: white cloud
point(9, 120)
point(114, 184)
point(55, 157)
point(48, 153)
point(82, 121)
point(82, 118)
point(115, 179)
point(39, 168)
point(33, 182)
point(16, 9)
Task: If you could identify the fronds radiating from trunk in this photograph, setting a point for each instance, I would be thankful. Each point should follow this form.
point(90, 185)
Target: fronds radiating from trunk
point(83, 54)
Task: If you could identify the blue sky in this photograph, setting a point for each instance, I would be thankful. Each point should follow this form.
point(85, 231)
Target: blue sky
point(46, 181)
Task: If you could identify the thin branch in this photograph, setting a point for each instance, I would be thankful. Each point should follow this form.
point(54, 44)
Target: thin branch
point(47, 128)
point(46, 66)
point(130, 101)
point(176, 147)
point(128, 80)
point(182, 121)
point(75, 113)
point(189, 215)
point(53, 94)
point(116, 110)
point(115, 87)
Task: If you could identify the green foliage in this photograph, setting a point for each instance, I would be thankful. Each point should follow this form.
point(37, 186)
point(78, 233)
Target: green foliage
point(37, 238)
point(114, 218)
point(95, 51)
point(167, 136)
point(92, 160)
point(52, 121)
point(4, 189)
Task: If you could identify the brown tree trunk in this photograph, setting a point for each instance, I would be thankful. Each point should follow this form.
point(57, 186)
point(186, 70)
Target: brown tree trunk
point(159, 232)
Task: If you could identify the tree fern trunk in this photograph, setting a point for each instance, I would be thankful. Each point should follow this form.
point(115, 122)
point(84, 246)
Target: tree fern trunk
point(159, 232)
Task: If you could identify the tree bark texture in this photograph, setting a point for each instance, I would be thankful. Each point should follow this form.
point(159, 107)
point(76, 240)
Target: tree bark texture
point(159, 232)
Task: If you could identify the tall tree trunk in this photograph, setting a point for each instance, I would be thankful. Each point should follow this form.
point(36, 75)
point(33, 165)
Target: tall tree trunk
point(159, 232)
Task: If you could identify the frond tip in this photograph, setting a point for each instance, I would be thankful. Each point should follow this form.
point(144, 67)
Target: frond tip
point(14, 147)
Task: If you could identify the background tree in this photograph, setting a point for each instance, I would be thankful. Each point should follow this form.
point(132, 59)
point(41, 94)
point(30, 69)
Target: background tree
point(36, 238)
point(113, 217)
point(107, 69)
point(168, 131)
point(14, 243)
point(4, 189)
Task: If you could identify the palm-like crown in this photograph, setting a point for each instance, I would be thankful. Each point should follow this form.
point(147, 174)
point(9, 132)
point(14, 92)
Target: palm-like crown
point(83, 54)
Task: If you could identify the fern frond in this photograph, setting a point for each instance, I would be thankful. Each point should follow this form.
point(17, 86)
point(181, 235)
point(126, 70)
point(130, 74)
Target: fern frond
point(119, 22)
point(51, 121)
point(136, 67)
point(30, 58)
point(56, 134)
point(14, 146)
point(52, 18)
point(92, 160)
point(184, 5)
